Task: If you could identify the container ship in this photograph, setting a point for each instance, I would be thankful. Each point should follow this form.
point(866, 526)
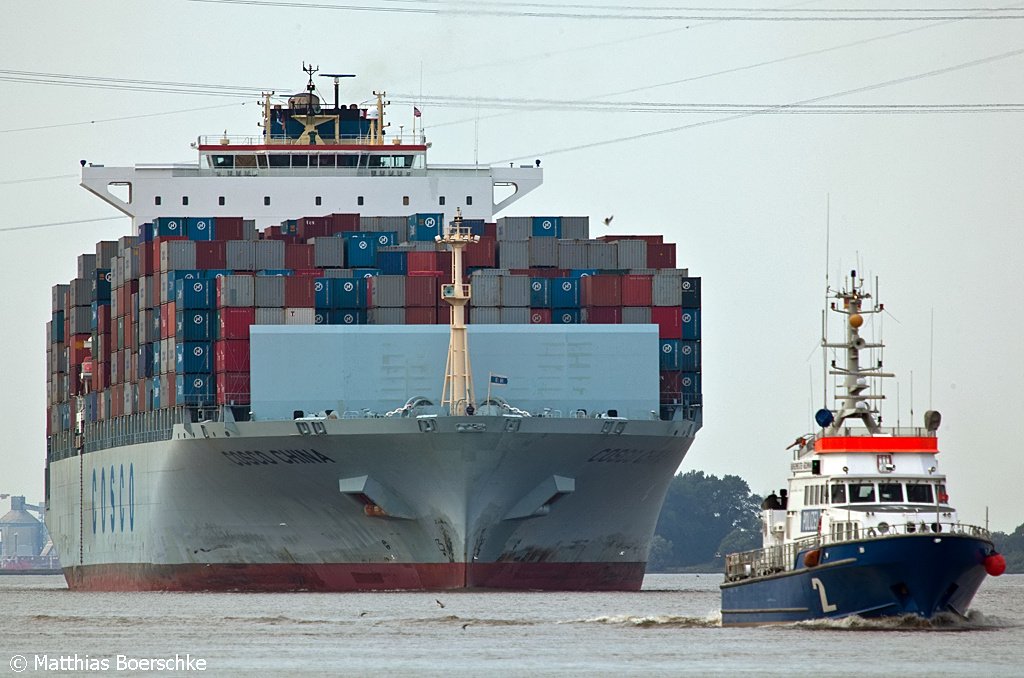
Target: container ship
point(244, 398)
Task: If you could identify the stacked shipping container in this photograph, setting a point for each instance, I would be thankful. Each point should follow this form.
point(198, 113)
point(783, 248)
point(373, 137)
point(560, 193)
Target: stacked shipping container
point(161, 319)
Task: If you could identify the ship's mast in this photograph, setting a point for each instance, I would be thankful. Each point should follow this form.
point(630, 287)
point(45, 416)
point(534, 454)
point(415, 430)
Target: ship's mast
point(855, 401)
point(457, 393)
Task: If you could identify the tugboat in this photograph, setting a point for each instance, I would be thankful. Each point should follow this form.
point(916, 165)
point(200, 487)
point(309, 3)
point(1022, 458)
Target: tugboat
point(866, 527)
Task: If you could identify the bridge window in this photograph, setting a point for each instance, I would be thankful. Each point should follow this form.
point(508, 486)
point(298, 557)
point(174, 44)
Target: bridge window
point(220, 200)
point(279, 161)
point(405, 200)
point(266, 200)
point(359, 200)
point(469, 200)
point(838, 494)
point(156, 200)
point(919, 493)
point(440, 200)
point(862, 492)
point(319, 201)
point(184, 200)
point(300, 160)
point(890, 492)
point(223, 161)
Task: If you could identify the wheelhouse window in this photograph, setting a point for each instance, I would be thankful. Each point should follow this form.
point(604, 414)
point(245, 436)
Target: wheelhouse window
point(279, 161)
point(890, 492)
point(919, 493)
point(300, 161)
point(223, 161)
point(862, 492)
point(838, 494)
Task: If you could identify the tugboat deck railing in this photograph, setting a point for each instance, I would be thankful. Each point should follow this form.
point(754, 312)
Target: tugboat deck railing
point(783, 558)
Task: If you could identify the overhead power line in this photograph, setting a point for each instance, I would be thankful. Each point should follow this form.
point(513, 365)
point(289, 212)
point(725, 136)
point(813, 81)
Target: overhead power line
point(628, 13)
point(59, 223)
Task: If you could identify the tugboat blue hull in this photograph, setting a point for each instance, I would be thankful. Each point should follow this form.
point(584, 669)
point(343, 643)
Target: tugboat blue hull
point(922, 574)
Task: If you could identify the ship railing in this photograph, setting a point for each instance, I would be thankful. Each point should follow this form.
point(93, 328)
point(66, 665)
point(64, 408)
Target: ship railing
point(853, 531)
point(229, 140)
point(893, 431)
point(783, 557)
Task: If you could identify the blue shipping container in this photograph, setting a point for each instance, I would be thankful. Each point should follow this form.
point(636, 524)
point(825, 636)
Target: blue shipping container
point(475, 226)
point(156, 354)
point(386, 238)
point(691, 324)
point(193, 325)
point(200, 228)
point(275, 272)
point(171, 279)
point(193, 357)
point(365, 272)
point(565, 293)
point(393, 263)
point(348, 317)
point(215, 273)
point(145, 232)
point(194, 389)
point(169, 226)
point(145, 360)
point(689, 356)
point(154, 388)
point(691, 292)
point(349, 293)
point(57, 327)
point(195, 294)
point(425, 226)
point(101, 284)
point(547, 227)
point(361, 250)
point(578, 273)
point(669, 356)
point(566, 316)
point(540, 293)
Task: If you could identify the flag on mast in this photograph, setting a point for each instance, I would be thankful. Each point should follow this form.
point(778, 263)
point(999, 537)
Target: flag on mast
point(499, 380)
point(416, 112)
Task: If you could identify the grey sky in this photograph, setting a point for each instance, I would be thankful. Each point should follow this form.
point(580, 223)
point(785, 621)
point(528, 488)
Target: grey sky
point(930, 203)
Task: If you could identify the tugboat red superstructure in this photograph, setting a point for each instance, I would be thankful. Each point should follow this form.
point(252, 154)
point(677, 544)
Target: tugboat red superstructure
point(866, 527)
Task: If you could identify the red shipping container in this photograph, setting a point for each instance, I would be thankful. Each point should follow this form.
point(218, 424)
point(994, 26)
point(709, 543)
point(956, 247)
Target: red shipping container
point(100, 375)
point(169, 394)
point(147, 262)
point(669, 320)
point(299, 292)
point(117, 400)
point(235, 322)
point(233, 388)
point(167, 320)
point(422, 291)
point(311, 227)
point(481, 254)
point(661, 256)
point(491, 230)
point(636, 290)
point(228, 228)
point(341, 223)
point(231, 355)
point(420, 315)
point(298, 256)
point(444, 314)
point(540, 316)
point(428, 261)
point(671, 385)
point(308, 273)
point(142, 398)
point(601, 290)
point(130, 339)
point(548, 273)
point(103, 319)
point(604, 315)
point(211, 255)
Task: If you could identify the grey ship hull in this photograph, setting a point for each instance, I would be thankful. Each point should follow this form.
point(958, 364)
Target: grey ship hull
point(367, 504)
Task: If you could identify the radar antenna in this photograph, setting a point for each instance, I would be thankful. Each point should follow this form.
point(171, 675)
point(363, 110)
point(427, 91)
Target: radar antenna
point(337, 77)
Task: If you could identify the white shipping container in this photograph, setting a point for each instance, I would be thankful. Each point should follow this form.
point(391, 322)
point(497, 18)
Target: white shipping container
point(514, 228)
point(271, 316)
point(388, 291)
point(631, 253)
point(575, 228)
point(298, 316)
point(328, 252)
point(514, 253)
point(485, 315)
point(603, 256)
point(573, 254)
point(241, 255)
point(236, 290)
point(386, 316)
point(636, 315)
point(486, 289)
point(515, 315)
point(269, 254)
point(175, 255)
point(515, 290)
point(543, 252)
point(268, 291)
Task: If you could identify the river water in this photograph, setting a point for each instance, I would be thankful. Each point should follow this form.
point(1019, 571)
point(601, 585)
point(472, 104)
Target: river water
point(671, 628)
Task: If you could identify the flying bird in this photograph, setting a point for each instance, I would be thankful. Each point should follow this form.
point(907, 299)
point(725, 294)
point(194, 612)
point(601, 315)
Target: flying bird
point(439, 603)
point(608, 220)
point(465, 625)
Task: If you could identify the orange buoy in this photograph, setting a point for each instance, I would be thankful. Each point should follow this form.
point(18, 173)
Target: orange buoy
point(812, 558)
point(995, 564)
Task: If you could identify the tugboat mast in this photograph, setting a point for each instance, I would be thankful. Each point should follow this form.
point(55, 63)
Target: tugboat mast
point(855, 401)
point(458, 377)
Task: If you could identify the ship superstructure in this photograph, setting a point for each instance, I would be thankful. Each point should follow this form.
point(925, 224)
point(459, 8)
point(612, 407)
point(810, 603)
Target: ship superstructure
point(866, 526)
point(242, 397)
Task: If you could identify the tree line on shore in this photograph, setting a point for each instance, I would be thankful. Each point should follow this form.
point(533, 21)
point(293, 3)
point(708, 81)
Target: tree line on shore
point(705, 517)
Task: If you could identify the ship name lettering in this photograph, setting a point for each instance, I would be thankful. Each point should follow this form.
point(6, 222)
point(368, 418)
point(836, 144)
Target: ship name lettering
point(616, 455)
point(261, 458)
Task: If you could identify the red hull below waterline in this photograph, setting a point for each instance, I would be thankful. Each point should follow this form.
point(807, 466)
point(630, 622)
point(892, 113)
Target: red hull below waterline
point(340, 577)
